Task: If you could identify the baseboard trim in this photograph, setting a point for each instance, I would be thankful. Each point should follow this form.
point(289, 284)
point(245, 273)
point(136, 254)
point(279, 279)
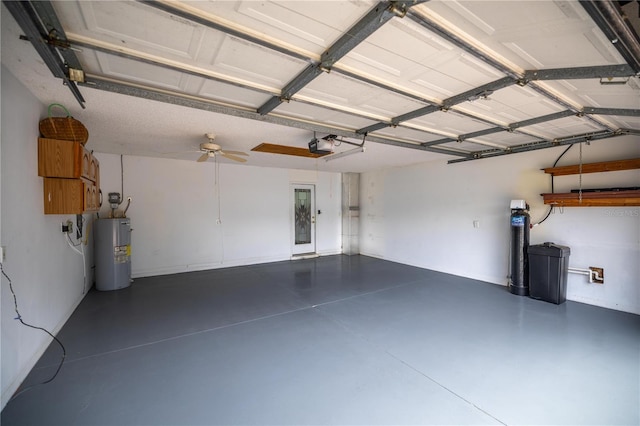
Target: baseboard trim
point(304, 256)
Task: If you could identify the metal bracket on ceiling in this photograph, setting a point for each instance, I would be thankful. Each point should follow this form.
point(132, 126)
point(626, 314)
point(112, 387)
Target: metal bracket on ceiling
point(399, 10)
point(610, 81)
point(76, 75)
point(373, 127)
point(635, 132)
point(542, 144)
point(576, 73)
point(37, 20)
point(584, 137)
point(612, 111)
point(334, 138)
point(54, 41)
point(611, 21)
point(480, 95)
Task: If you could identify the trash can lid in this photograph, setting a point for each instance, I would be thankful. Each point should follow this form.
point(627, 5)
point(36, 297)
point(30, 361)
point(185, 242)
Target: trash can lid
point(550, 249)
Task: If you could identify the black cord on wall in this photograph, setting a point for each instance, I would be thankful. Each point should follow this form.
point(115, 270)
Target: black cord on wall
point(552, 189)
point(26, 324)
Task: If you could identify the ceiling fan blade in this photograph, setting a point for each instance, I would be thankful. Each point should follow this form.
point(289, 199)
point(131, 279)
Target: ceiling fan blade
point(236, 153)
point(233, 157)
point(203, 157)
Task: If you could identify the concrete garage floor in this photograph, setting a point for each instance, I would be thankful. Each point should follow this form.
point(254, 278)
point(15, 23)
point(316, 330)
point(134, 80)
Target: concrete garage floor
point(334, 340)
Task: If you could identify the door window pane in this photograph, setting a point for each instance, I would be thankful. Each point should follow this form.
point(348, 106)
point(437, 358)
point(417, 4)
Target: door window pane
point(303, 216)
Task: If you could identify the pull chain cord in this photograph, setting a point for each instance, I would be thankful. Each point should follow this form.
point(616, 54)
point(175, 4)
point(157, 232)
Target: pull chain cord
point(580, 176)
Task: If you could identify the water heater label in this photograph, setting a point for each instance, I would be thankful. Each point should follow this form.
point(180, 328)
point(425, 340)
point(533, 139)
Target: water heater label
point(517, 220)
point(121, 254)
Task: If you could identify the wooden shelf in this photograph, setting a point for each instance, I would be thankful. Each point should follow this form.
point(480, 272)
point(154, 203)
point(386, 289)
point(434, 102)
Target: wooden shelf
point(620, 198)
point(594, 199)
point(605, 166)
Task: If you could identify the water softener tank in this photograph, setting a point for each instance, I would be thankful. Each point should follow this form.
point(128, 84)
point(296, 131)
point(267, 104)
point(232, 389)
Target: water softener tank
point(518, 268)
point(113, 253)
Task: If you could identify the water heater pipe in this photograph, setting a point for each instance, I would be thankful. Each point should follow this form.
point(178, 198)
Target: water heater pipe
point(593, 275)
point(124, 214)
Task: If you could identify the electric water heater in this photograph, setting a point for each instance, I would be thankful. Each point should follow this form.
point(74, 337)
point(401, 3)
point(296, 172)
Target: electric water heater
point(113, 253)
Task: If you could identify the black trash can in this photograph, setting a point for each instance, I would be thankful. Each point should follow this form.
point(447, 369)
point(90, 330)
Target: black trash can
point(548, 270)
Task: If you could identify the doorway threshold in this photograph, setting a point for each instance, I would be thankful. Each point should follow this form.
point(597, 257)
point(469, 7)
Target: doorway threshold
point(304, 256)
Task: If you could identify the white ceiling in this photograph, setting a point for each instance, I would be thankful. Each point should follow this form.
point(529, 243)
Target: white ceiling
point(411, 66)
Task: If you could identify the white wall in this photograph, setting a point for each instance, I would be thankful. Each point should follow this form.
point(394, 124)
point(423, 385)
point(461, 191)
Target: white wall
point(179, 225)
point(423, 215)
point(47, 275)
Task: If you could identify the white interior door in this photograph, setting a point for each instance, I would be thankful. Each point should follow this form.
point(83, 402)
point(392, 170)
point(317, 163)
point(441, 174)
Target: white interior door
point(304, 219)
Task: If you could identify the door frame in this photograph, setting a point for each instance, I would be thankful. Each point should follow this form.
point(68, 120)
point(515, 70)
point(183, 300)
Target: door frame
point(297, 250)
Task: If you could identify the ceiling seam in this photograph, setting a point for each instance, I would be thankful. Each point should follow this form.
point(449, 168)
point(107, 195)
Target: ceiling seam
point(173, 9)
point(91, 44)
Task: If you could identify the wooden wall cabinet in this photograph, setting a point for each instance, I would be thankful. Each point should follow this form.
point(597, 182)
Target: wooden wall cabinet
point(71, 177)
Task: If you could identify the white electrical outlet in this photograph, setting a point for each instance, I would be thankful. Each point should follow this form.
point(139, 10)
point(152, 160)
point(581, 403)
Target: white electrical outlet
point(2, 253)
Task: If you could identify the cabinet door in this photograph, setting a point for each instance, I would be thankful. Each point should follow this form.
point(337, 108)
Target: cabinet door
point(63, 159)
point(87, 169)
point(94, 169)
point(69, 196)
point(63, 196)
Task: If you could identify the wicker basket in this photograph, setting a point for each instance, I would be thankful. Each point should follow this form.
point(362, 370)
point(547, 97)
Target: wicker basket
point(65, 128)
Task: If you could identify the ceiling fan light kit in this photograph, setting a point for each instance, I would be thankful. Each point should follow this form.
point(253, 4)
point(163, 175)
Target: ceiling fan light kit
point(208, 146)
point(210, 150)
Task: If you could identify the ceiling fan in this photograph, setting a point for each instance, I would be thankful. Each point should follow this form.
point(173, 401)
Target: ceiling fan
point(211, 149)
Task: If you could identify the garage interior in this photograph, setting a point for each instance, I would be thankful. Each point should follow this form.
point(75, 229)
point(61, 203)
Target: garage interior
point(431, 117)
